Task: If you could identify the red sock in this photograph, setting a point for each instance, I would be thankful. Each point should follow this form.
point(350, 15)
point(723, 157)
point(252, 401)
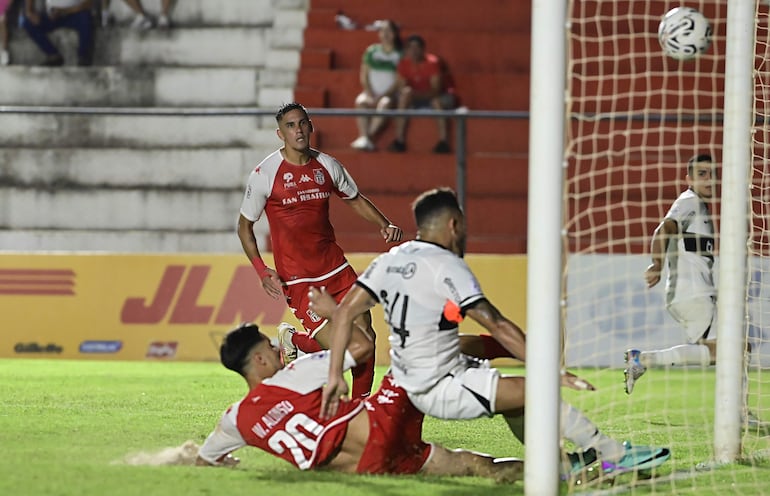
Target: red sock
point(492, 348)
point(363, 378)
point(305, 343)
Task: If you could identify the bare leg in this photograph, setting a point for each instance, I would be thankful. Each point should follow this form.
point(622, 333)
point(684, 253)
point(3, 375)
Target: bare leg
point(468, 463)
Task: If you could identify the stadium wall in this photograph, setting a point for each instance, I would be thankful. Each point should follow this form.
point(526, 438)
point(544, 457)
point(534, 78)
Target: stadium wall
point(165, 306)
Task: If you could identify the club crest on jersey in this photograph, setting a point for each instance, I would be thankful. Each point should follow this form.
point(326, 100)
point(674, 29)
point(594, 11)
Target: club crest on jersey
point(318, 176)
point(314, 317)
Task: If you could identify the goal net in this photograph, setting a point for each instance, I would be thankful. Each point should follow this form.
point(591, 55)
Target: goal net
point(633, 119)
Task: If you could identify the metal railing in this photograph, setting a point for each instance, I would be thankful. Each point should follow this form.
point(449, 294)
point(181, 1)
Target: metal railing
point(459, 116)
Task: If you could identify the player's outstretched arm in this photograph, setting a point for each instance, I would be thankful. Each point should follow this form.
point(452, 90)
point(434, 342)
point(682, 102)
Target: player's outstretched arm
point(660, 239)
point(467, 463)
point(271, 283)
point(508, 334)
point(367, 210)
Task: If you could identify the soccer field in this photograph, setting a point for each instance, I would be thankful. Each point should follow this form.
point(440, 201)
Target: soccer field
point(65, 427)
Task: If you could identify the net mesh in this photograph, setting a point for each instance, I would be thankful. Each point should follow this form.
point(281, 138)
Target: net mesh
point(634, 118)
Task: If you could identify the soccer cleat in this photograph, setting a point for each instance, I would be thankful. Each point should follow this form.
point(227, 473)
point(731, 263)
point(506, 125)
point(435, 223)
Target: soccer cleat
point(580, 468)
point(637, 458)
point(634, 369)
point(164, 22)
point(287, 347)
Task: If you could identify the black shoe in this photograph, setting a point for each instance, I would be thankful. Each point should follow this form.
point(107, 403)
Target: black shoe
point(442, 147)
point(397, 146)
point(53, 61)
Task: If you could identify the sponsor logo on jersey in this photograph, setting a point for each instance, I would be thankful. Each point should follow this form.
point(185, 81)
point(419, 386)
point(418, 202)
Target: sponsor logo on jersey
point(94, 346)
point(288, 180)
point(162, 349)
point(37, 282)
point(406, 271)
point(248, 191)
point(304, 178)
point(34, 347)
point(319, 177)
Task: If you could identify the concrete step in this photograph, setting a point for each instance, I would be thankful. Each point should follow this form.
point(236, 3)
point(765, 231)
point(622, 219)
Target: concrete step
point(198, 13)
point(32, 130)
point(129, 168)
point(207, 46)
point(124, 241)
point(129, 86)
point(105, 209)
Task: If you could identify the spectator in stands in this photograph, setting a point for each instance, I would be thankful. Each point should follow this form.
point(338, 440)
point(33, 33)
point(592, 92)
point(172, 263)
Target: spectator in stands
point(71, 14)
point(421, 84)
point(5, 56)
point(378, 81)
point(142, 21)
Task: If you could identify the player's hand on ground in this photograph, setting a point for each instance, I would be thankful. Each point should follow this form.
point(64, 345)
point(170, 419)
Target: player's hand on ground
point(391, 233)
point(652, 274)
point(335, 389)
point(570, 380)
point(272, 283)
point(321, 302)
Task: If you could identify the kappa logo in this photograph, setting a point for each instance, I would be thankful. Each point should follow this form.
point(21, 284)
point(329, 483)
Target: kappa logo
point(304, 178)
point(162, 349)
point(319, 177)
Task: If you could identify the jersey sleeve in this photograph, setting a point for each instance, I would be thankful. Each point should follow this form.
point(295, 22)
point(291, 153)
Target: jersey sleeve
point(683, 211)
point(343, 182)
point(255, 197)
point(371, 279)
point(224, 439)
point(307, 373)
point(366, 58)
point(456, 281)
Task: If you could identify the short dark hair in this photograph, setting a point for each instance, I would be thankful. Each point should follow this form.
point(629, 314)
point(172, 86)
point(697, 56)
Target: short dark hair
point(237, 345)
point(702, 157)
point(417, 39)
point(433, 202)
point(288, 107)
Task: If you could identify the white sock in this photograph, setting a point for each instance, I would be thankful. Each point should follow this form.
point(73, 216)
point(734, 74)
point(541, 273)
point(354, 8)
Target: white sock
point(684, 354)
point(581, 431)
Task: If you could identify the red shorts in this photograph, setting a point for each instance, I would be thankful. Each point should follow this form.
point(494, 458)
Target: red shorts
point(296, 296)
point(395, 444)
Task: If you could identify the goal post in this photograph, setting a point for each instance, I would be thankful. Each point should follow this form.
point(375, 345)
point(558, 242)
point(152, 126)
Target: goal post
point(544, 246)
point(733, 234)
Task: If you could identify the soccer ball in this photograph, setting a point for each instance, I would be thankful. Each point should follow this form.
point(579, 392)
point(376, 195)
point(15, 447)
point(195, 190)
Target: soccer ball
point(684, 33)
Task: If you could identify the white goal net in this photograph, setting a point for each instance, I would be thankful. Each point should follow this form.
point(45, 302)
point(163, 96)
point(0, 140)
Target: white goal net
point(633, 119)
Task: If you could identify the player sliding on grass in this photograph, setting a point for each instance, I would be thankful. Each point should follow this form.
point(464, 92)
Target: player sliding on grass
point(426, 288)
point(280, 415)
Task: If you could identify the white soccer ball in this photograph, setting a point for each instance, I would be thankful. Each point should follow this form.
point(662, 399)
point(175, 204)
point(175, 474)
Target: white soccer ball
point(684, 33)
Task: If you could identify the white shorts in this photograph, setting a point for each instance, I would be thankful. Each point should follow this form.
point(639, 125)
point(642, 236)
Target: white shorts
point(464, 393)
point(696, 316)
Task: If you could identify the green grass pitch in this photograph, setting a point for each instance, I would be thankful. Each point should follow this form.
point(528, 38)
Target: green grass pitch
point(64, 424)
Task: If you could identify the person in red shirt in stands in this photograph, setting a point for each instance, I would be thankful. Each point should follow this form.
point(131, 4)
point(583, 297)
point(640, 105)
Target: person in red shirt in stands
point(293, 186)
point(422, 84)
